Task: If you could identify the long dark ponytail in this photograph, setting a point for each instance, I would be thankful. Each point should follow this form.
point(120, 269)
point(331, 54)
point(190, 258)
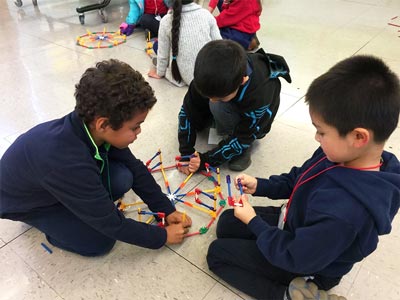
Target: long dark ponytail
point(176, 24)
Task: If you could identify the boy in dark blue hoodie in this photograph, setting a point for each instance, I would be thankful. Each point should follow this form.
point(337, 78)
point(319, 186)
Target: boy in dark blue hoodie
point(63, 176)
point(340, 200)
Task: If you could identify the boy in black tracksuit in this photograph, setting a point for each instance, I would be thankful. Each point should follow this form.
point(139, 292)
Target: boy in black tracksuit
point(240, 93)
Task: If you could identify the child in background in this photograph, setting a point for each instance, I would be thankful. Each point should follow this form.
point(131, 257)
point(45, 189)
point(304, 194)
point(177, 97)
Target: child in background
point(340, 200)
point(239, 21)
point(154, 10)
point(144, 13)
point(63, 176)
point(240, 93)
point(215, 3)
point(183, 32)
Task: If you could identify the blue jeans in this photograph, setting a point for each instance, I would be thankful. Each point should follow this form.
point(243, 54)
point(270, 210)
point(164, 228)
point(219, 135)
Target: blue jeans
point(226, 116)
point(66, 231)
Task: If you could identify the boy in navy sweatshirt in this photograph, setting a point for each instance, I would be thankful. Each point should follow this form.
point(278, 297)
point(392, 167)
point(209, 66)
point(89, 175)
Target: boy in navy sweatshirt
point(63, 176)
point(340, 200)
point(239, 92)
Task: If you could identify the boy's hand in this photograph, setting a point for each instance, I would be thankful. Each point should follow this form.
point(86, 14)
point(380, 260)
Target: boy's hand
point(177, 217)
point(246, 212)
point(249, 183)
point(192, 165)
point(175, 233)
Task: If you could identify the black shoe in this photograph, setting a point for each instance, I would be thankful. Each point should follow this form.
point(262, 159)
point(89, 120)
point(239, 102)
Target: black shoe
point(300, 289)
point(242, 162)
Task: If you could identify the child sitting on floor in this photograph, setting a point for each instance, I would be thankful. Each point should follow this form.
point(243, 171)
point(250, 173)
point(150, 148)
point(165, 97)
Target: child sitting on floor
point(183, 32)
point(340, 200)
point(63, 176)
point(146, 14)
point(239, 21)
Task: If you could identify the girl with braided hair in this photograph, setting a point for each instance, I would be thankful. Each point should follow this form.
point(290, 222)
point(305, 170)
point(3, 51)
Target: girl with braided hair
point(183, 32)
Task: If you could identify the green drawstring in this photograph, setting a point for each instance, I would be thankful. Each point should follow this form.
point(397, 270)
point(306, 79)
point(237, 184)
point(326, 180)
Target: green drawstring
point(98, 157)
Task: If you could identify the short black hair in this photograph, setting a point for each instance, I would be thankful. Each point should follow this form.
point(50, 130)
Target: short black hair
point(114, 90)
point(360, 91)
point(219, 68)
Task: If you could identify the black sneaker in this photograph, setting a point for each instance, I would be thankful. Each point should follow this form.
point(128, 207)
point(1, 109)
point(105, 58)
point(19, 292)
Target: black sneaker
point(242, 162)
point(300, 289)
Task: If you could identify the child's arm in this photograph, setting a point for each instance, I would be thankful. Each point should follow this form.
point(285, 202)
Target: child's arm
point(164, 45)
point(249, 183)
point(192, 165)
point(316, 242)
point(136, 10)
point(212, 5)
point(175, 233)
point(244, 213)
point(177, 217)
point(194, 115)
point(144, 184)
point(234, 14)
point(214, 30)
point(89, 201)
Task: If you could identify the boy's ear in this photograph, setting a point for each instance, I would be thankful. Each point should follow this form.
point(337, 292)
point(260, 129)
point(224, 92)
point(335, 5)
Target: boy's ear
point(101, 123)
point(245, 79)
point(361, 137)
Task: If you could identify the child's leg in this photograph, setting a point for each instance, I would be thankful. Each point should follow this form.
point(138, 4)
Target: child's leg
point(66, 231)
point(118, 180)
point(226, 116)
point(230, 227)
point(149, 21)
point(240, 263)
point(242, 38)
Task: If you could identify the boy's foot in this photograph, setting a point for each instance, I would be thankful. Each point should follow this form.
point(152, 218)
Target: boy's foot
point(300, 289)
point(242, 162)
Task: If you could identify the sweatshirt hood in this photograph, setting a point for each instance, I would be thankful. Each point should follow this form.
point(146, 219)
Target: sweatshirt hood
point(378, 192)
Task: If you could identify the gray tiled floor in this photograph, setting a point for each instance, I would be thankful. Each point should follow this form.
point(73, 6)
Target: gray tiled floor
point(40, 63)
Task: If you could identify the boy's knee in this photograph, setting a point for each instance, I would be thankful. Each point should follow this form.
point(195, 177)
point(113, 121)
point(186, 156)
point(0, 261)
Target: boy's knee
point(224, 220)
point(213, 253)
point(121, 179)
point(102, 248)
point(98, 247)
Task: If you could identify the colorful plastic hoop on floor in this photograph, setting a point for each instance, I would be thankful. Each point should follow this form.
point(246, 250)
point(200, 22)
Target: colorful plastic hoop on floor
point(101, 40)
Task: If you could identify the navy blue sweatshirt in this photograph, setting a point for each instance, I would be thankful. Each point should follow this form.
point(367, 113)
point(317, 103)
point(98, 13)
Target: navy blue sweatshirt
point(54, 163)
point(334, 220)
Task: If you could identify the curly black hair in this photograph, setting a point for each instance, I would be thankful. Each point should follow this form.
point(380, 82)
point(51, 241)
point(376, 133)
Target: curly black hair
point(114, 90)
